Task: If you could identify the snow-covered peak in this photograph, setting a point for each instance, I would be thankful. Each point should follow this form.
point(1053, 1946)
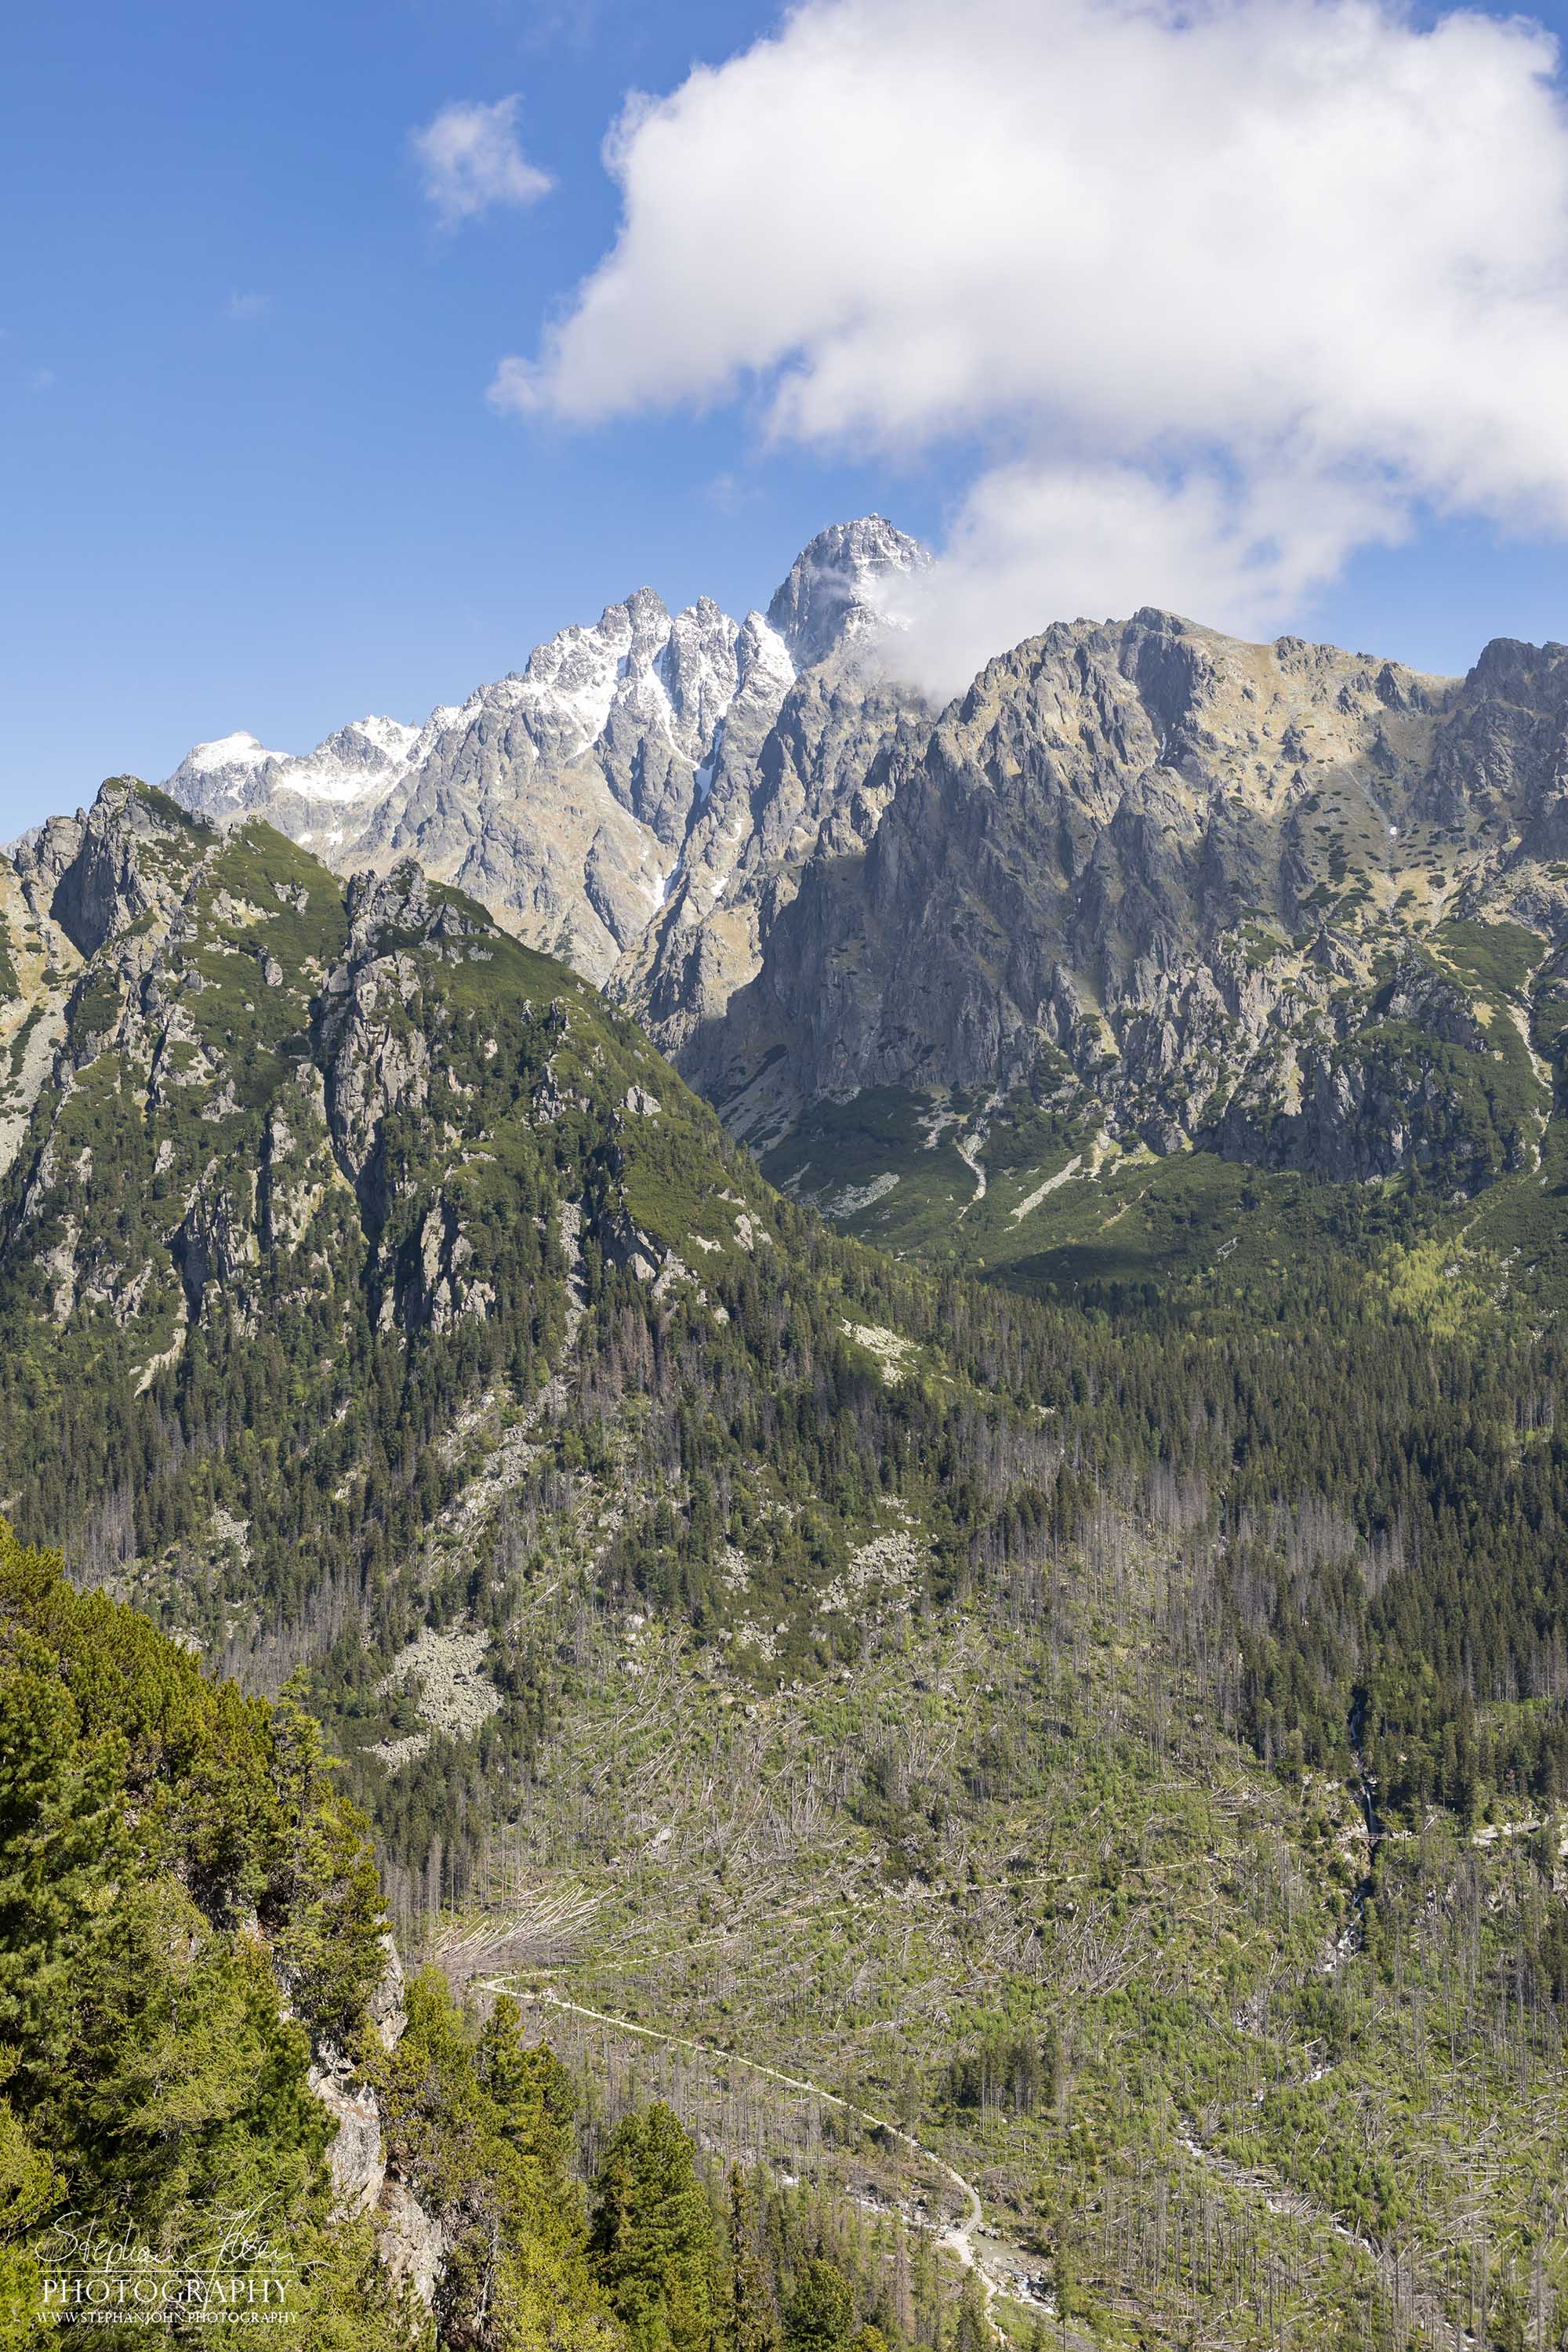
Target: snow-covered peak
point(213, 778)
point(585, 773)
point(568, 691)
point(441, 721)
point(228, 751)
point(363, 760)
point(391, 737)
point(638, 674)
point(837, 587)
point(670, 678)
point(236, 774)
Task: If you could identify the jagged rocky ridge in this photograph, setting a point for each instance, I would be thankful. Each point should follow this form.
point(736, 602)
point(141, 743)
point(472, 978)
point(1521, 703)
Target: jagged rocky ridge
point(1142, 886)
point(640, 761)
point(1145, 886)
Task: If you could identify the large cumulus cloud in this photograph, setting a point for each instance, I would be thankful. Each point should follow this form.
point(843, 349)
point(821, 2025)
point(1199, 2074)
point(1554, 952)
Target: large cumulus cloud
point(1204, 296)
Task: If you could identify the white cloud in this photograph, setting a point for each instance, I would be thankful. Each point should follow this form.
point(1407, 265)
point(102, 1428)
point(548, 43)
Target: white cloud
point(1225, 290)
point(470, 159)
point(248, 306)
point(1036, 541)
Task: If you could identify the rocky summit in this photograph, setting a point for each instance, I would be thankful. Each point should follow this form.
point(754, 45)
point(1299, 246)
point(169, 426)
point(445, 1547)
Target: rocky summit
point(1145, 888)
point(627, 765)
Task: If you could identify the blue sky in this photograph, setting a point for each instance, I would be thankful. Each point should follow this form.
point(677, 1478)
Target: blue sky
point(250, 475)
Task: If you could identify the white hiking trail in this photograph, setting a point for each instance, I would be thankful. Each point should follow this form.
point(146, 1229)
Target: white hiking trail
point(969, 1152)
point(958, 2237)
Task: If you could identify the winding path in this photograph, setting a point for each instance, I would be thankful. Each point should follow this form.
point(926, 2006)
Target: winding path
point(970, 1146)
point(958, 2237)
point(968, 1150)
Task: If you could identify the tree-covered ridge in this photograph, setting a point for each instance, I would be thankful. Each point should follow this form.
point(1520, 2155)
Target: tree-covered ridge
point(193, 1955)
point(187, 1909)
point(293, 1192)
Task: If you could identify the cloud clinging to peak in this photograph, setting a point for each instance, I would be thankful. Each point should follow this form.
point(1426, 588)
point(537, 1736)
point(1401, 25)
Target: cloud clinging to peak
point(470, 158)
point(1224, 291)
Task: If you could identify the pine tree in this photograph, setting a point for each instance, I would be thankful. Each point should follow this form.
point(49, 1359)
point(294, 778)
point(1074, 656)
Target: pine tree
point(925, 2288)
point(651, 2238)
point(973, 2332)
point(820, 2312)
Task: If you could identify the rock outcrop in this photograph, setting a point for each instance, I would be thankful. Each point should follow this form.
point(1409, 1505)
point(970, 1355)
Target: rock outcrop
point(412, 2243)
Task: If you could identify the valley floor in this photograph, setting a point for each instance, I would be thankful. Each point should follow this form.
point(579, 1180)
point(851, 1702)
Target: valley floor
point(1004, 1884)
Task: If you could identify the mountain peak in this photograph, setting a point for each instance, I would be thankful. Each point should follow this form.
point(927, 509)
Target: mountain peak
point(91, 873)
point(832, 590)
point(394, 739)
point(565, 794)
point(236, 751)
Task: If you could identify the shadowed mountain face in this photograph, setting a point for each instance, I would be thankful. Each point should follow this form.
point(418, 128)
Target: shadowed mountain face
point(1145, 887)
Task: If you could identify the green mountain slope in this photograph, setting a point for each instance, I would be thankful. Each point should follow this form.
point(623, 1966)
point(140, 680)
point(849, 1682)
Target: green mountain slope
point(313, 1173)
point(1117, 1733)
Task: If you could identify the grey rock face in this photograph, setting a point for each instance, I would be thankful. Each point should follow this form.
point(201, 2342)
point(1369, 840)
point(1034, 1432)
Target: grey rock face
point(92, 873)
point(621, 769)
point(834, 594)
point(358, 2165)
point(356, 2153)
point(562, 797)
point(387, 2012)
point(410, 2242)
point(1157, 876)
point(816, 780)
point(799, 772)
